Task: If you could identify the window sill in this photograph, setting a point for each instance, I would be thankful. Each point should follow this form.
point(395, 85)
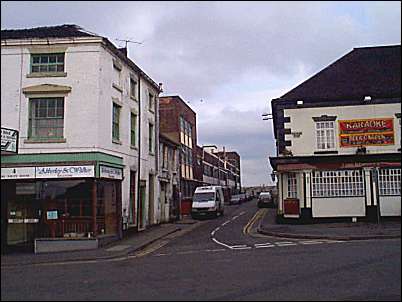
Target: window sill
point(133, 147)
point(152, 111)
point(44, 141)
point(133, 98)
point(46, 74)
point(326, 152)
point(115, 141)
point(152, 153)
point(117, 87)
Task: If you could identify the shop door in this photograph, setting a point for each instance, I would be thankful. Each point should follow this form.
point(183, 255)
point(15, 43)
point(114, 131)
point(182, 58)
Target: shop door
point(163, 201)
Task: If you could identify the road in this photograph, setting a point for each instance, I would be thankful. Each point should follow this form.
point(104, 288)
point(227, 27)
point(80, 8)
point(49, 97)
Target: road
point(222, 259)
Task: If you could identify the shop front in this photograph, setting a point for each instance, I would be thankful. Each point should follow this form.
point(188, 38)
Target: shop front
point(59, 201)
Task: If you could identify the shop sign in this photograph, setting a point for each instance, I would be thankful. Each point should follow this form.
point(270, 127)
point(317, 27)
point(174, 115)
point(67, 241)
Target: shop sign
point(65, 171)
point(18, 173)
point(366, 132)
point(9, 140)
point(109, 172)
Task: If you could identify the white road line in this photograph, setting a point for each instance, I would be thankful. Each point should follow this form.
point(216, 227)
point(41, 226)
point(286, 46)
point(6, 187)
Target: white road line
point(285, 244)
point(187, 252)
point(160, 255)
point(241, 213)
point(258, 244)
point(264, 246)
point(311, 242)
point(215, 250)
point(225, 223)
point(241, 248)
point(213, 233)
point(235, 217)
point(220, 243)
point(236, 246)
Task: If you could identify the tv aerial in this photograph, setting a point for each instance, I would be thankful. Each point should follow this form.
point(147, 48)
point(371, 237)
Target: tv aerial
point(129, 41)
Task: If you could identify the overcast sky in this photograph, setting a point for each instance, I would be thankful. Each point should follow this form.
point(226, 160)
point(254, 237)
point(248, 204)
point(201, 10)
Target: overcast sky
point(228, 60)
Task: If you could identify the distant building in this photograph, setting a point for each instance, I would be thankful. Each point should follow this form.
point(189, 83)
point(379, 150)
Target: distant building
point(338, 138)
point(178, 123)
point(85, 113)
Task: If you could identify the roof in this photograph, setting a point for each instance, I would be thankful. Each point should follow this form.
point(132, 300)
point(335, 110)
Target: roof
point(179, 98)
point(60, 31)
point(71, 31)
point(366, 71)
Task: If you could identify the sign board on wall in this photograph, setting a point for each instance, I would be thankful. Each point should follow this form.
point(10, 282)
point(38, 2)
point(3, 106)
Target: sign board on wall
point(9, 140)
point(65, 171)
point(110, 172)
point(18, 173)
point(366, 132)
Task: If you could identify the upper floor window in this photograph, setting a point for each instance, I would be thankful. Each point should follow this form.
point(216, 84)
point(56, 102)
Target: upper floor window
point(117, 68)
point(151, 102)
point(325, 135)
point(46, 118)
point(49, 62)
point(133, 88)
point(116, 122)
point(151, 138)
point(133, 121)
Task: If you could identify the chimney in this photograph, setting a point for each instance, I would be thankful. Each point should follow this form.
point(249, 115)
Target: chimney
point(123, 50)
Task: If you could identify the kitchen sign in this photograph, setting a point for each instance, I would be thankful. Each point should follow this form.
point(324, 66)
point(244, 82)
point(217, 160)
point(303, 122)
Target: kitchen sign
point(366, 132)
point(9, 140)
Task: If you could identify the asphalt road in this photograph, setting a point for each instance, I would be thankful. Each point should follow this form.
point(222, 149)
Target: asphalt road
point(222, 259)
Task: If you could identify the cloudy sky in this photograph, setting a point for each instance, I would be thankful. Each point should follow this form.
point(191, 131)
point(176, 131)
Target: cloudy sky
point(228, 60)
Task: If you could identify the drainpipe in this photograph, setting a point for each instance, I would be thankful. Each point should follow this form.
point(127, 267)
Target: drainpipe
point(139, 154)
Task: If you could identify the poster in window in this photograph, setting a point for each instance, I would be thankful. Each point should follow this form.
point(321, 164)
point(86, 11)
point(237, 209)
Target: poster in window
point(366, 132)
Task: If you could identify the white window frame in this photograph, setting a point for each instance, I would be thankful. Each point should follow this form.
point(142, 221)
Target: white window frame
point(292, 185)
point(325, 135)
point(389, 182)
point(338, 183)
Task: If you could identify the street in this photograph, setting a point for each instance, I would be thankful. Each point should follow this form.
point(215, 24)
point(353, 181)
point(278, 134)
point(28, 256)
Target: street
point(222, 259)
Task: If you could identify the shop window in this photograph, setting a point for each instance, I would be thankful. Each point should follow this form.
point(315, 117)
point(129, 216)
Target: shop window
point(46, 118)
point(345, 183)
point(390, 182)
point(52, 62)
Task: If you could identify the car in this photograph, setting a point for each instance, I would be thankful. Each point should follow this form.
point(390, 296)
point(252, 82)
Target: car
point(265, 200)
point(235, 199)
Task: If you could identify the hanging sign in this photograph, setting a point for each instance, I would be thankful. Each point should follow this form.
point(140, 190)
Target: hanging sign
point(366, 132)
point(9, 140)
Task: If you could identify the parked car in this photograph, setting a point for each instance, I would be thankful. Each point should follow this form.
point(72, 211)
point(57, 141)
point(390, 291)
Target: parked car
point(265, 200)
point(235, 199)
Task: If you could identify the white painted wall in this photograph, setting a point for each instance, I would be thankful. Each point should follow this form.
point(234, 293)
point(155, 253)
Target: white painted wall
point(338, 207)
point(390, 205)
point(88, 107)
point(301, 121)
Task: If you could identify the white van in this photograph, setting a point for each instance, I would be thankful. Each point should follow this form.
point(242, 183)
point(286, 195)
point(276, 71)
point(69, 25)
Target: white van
point(207, 200)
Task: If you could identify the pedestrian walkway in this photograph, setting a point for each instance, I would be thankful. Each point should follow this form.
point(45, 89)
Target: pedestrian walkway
point(132, 243)
point(331, 231)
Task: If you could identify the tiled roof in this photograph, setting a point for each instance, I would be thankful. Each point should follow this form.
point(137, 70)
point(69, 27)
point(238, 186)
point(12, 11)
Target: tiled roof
point(61, 31)
point(368, 71)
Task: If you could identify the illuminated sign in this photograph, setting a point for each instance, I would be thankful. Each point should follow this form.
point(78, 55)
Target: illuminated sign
point(366, 132)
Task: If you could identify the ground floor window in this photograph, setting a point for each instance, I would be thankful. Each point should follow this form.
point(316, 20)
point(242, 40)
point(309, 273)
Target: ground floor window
point(389, 182)
point(292, 185)
point(343, 183)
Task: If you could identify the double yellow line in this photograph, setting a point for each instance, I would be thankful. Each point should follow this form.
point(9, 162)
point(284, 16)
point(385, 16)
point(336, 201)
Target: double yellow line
point(260, 213)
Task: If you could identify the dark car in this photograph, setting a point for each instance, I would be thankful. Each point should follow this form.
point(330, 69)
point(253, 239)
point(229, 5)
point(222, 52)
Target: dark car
point(265, 200)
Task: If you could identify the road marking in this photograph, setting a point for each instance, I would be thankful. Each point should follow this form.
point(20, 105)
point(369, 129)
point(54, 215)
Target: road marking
point(220, 243)
point(235, 217)
point(241, 248)
point(285, 243)
point(225, 223)
point(215, 250)
point(264, 246)
point(258, 244)
point(311, 242)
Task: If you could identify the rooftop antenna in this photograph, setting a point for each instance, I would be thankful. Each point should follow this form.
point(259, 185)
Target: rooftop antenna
point(128, 41)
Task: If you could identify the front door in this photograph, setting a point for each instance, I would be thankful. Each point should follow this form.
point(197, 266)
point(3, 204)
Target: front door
point(141, 206)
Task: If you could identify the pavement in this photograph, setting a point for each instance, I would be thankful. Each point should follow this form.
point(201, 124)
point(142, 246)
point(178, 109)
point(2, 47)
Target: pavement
point(386, 229)
point(121, 248)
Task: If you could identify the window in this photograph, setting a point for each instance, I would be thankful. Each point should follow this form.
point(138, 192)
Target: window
point(292, 185)
point(116, 122)
point(390, 181)
point(133, 129)
point(165, 157)
point(151, 138)
point(117, 68)
point(338, 183)
point(133, 88)
point(46, 118)
point(151, 102)
point(325, 134)
point(47, 62)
